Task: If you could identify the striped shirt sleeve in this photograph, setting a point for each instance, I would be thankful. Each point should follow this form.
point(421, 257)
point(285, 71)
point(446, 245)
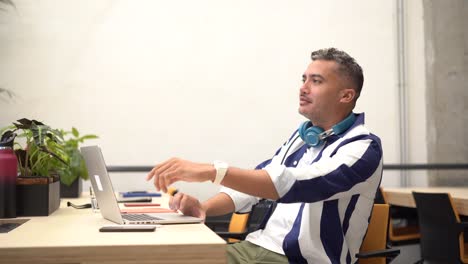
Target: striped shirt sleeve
point(342, 174)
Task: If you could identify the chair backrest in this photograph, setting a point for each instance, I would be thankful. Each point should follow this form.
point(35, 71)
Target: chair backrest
point(376, 236)
point(438, 226)
point(259, 214)
point(380, 197)
point(405, 219)
point(241, 224)
point(238, 224)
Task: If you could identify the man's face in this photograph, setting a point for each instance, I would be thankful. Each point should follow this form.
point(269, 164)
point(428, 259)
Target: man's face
point(320, 93)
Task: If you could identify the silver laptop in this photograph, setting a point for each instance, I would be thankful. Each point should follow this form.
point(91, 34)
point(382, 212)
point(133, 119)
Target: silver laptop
point(107, 201)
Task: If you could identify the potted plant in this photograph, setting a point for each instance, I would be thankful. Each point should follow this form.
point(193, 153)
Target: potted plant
point(70, 183)
point(46, 156)
point(38, 186)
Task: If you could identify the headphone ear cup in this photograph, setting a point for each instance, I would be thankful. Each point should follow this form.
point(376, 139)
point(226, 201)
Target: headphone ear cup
point(312, 136)
point(302, 129)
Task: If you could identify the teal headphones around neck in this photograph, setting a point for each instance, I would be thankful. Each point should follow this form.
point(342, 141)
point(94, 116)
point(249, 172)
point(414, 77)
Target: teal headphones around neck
point(314, 136)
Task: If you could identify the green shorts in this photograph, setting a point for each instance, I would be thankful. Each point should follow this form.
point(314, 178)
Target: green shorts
point(246, 252)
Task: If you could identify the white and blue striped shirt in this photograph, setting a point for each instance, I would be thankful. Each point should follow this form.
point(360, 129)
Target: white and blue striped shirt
point(326, 196)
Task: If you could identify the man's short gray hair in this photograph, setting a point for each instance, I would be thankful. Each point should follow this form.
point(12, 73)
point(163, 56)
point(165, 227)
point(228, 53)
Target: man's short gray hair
point(347, 65)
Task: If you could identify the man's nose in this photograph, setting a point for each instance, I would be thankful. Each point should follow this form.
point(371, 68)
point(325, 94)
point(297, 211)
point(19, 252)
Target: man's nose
point(303, 89)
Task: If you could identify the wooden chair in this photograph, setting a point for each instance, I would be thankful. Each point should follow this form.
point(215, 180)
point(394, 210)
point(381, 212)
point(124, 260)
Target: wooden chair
point(242, 224)
point(374, 247)
point(403, 227)
point(442, 232)
point(237, 225)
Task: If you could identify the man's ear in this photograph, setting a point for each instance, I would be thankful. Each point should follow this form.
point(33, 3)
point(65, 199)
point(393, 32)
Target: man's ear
point(347, 95)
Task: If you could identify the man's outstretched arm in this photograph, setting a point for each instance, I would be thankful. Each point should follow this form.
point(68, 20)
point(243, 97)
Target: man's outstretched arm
point(254, 182)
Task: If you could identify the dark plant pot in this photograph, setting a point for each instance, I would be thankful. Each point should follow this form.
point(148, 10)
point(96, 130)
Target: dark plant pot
point(72, 191)
point(37, 199)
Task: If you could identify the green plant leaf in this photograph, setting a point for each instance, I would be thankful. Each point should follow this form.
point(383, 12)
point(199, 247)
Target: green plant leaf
point(67, 177)
point(7, 128)
point(50, 151)
point(25, 123)
point(39, 133)
point(75, 132)
point(85, 137)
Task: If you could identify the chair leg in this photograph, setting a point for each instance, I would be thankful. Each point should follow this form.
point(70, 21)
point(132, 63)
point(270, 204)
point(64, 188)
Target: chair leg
point(464, 257)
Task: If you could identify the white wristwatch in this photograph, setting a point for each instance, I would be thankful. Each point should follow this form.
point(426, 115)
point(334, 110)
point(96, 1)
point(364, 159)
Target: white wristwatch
point(221, 169)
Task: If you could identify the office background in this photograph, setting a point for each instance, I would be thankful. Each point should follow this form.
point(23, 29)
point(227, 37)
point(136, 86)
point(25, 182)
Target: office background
point(205, 80)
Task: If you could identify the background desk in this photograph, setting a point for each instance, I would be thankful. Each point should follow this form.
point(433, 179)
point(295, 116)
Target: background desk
point(71, 236)
point(404, 197)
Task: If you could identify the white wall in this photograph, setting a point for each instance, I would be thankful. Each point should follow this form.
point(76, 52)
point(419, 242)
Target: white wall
point(201, 80)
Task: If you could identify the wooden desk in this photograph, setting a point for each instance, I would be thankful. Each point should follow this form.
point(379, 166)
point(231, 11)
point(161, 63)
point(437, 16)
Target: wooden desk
point(71, 236)
point(404, 197)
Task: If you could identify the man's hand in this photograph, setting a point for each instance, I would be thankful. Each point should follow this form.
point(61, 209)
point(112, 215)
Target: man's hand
point(176, 169)
point(188, 205)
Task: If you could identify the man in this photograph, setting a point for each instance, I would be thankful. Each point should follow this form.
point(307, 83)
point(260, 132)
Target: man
point(324, 178)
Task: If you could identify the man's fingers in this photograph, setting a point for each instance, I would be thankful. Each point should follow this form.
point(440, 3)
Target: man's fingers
point(156, 172)
point(183, 201)
point(153, 172)
point(166, 173)
point(171, 202)
point(163, 167)
point(174, 201)
point(169, 176)
point(150, 174)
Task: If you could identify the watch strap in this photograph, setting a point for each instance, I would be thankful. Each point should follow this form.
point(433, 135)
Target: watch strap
point(221, 170)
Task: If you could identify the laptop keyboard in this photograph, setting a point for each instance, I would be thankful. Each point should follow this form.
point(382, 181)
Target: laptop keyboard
point(139, 217)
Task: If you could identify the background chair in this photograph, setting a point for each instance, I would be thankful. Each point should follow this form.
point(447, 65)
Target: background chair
point(403, 227)
point(442, 239)
point(374, 247)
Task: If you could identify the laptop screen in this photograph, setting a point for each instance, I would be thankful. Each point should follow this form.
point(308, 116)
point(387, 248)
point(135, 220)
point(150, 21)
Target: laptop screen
point(102, 185)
